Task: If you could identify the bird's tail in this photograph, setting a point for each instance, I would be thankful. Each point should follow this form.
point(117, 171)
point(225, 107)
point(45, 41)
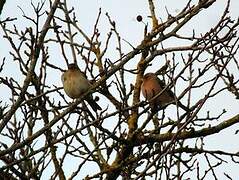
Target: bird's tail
point(183, 107)
point(93, 103)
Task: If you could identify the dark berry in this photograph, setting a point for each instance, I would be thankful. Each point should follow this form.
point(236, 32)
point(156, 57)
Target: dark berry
point(139, 18)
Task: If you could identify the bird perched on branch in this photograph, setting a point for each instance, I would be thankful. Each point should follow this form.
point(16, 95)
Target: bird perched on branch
point(75, 84)
point(151, 86)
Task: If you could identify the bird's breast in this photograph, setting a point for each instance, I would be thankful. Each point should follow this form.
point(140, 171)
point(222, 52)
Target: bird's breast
point(75, 85)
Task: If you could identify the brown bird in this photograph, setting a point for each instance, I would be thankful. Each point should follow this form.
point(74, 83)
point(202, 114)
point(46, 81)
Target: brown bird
point(75, 84)
point(151, 86)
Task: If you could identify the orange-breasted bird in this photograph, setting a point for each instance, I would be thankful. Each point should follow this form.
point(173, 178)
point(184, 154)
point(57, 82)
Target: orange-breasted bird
point(151, 86)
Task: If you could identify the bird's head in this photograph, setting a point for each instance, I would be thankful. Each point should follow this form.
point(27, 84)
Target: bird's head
point(73, 66)
point(149, 76)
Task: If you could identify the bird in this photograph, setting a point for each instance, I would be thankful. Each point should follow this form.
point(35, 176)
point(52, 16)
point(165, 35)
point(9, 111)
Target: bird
point(151, 86)
point(75, 84)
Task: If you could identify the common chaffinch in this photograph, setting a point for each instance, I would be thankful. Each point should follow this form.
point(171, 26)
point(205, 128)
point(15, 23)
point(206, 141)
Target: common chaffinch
point(75, 84)
point(151, 86)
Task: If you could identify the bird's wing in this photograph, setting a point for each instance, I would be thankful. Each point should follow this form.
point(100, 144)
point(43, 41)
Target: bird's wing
point(163, 85)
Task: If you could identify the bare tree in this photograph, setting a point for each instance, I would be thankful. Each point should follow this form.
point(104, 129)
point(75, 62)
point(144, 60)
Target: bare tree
point(46, 134)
